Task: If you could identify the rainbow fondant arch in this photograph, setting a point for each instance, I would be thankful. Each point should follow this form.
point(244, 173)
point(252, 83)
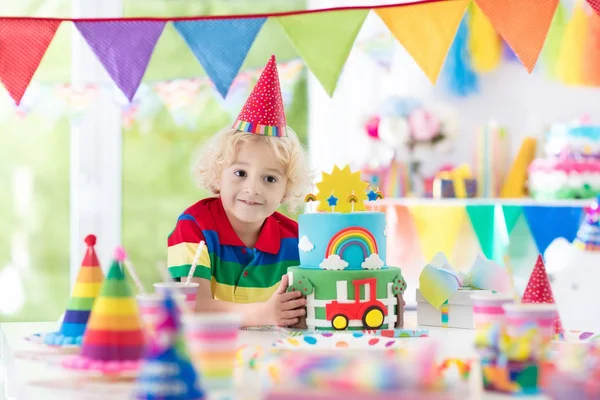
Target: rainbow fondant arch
point(351, 236)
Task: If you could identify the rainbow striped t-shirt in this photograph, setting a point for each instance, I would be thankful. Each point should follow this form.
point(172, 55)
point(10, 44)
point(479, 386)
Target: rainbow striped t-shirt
point(237, 273)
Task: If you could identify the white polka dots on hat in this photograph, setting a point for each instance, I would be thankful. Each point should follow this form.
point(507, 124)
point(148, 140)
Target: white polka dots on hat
point(264, 106)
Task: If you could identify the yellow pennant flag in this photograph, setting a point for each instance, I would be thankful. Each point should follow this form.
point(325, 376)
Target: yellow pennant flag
point(569, 67)
point(484, 42)
point(438, 228)
point(425, 30)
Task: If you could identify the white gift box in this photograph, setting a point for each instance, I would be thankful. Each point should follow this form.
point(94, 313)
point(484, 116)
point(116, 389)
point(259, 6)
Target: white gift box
point(458, 313)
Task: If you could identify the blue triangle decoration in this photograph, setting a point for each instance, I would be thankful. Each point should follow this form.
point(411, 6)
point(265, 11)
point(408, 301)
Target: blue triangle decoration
point(220, 45)
point(549, 223)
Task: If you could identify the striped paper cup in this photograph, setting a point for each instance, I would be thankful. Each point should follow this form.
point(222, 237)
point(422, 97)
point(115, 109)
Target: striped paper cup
point(212, 343)
point(188, 290)
point(522, 317)
point(528, 331)
point(151, 305)
point(488, 318)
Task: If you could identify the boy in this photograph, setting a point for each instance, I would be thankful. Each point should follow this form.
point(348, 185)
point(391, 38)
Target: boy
point(252, 168)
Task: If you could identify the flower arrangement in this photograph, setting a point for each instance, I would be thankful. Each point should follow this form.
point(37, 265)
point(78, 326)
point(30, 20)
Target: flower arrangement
point(414, 132)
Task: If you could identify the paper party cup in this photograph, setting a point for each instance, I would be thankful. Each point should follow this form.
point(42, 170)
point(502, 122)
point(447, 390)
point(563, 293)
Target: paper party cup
point(525, 317)
point(212, 343)
point(524, 342)
point(189, 290)
point(151, 305)
point(488, 318)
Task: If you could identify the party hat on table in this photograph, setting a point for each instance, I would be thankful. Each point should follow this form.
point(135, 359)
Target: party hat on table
point(87, 287)
point(588, 236)
point(538, 290)
point(263, 113)
point(113, 341)
point(167, 372)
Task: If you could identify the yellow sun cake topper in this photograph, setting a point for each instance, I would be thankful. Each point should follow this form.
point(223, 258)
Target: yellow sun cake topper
point(342, 183)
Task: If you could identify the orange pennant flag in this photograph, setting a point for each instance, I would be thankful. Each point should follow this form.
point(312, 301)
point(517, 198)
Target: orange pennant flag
point(425, 30)
point(523, 24)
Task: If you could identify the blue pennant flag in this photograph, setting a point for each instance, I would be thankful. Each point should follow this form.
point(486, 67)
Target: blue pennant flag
point(549, 223)
point(220, 45)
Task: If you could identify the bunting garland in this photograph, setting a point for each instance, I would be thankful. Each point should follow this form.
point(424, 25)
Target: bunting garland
point(322, 37)
point(324, 41)
point(124, 48)
point(484, 42)
point(182, 98)
point(425, 30)
point(220, 45)
point(523, 24)
point(569, 68)
point(552, 47)
point(595, 4)
point(23, 43)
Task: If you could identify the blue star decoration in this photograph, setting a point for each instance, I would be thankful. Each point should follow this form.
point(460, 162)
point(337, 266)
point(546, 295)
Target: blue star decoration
point(372, 196)
point(332, 201)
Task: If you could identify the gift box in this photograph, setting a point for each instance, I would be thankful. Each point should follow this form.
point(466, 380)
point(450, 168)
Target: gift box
point(457, 182)
point(445, 188)
point(456, 312)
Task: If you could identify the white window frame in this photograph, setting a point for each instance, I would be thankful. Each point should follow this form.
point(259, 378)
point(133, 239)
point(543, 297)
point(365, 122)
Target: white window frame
point(95, 149)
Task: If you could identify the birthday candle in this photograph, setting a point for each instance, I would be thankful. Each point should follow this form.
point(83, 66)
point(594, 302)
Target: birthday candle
point(352, 199)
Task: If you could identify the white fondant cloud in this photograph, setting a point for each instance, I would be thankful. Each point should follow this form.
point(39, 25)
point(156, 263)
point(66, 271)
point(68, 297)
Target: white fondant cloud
point(386, 230)
point(333, 262)
point(305, 245)
point(372, 262)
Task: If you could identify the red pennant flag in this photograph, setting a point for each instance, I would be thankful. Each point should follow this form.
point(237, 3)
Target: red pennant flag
point(538, 290)
point(23, 43)
point(595, 4)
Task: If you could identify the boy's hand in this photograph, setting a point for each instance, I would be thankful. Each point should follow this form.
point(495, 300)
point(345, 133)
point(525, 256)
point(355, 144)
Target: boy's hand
point(284, 308)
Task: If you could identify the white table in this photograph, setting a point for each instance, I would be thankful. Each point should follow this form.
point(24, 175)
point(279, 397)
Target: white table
point(27, 370)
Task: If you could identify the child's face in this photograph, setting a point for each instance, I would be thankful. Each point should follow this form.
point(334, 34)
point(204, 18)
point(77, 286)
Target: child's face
point(254, 185)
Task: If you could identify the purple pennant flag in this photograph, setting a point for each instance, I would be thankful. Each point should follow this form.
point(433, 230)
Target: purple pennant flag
point(124, 48)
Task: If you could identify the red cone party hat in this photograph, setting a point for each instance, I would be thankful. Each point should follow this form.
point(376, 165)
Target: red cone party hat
point(538, 290)
point(263, 112)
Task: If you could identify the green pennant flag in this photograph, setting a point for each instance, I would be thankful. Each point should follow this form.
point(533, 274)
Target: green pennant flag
point(482, 220)
point(490, 234)
point(324, 40)
point(511, 216)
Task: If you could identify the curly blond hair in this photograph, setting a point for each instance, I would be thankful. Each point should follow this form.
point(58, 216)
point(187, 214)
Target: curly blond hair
point(221, 150)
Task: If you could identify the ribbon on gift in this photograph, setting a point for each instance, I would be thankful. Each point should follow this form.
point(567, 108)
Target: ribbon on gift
point(459, 176)
point(438, 281)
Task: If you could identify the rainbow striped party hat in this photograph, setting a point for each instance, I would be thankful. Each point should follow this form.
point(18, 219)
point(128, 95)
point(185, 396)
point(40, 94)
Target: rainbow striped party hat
point(113, 342)
point(588, 236)
point(167, 372)
point(85, 291)
point(263, 113)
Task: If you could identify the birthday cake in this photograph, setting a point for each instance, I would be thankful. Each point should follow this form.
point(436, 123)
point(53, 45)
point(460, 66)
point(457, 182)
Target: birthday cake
point(342, 271)
point(571, 168)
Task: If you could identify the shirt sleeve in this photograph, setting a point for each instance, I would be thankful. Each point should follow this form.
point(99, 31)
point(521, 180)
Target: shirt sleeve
point(183, 245)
